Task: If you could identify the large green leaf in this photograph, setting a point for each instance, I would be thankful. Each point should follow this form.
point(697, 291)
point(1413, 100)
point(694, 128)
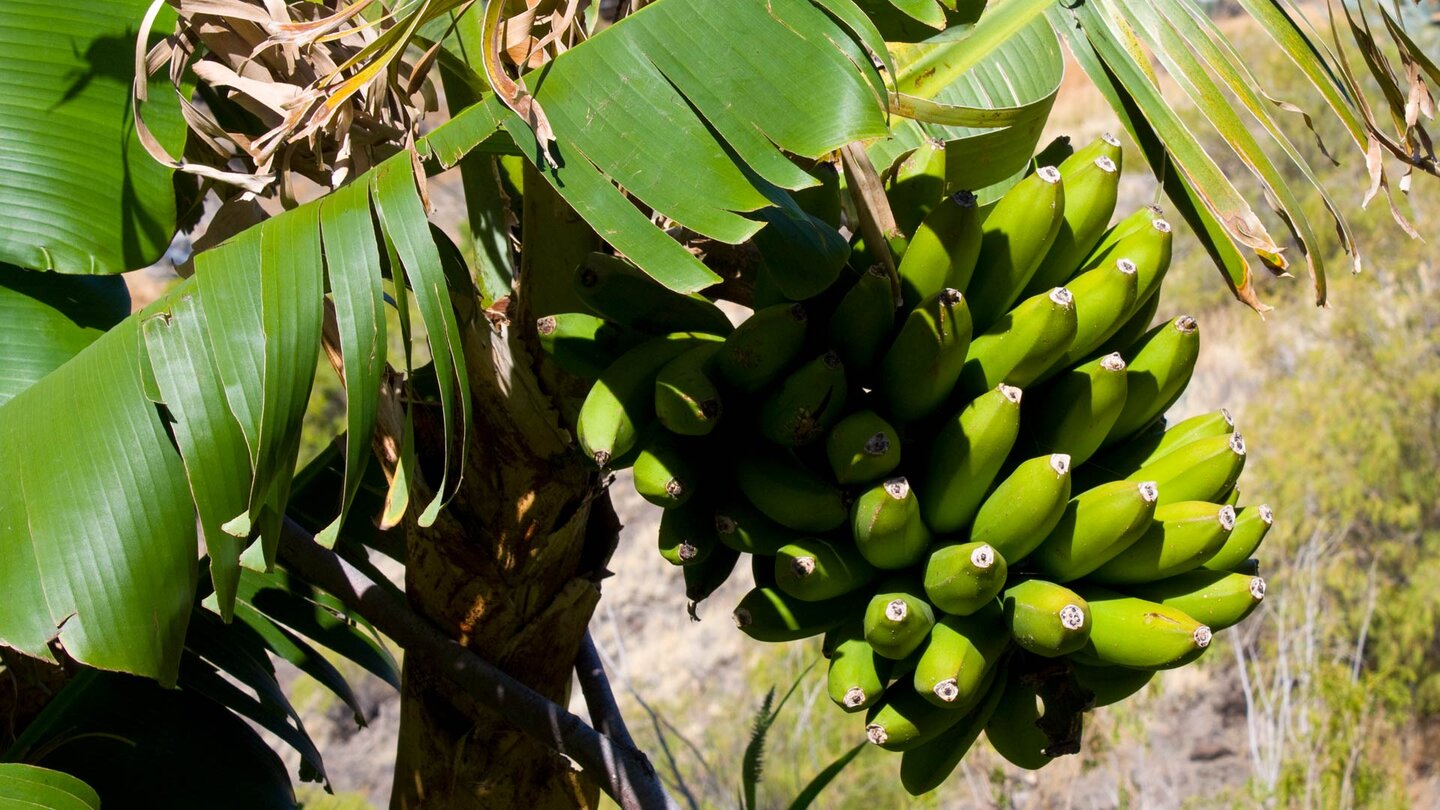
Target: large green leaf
point(46, 319)
point(81, 195)
point(34, 788)
point(97, 536)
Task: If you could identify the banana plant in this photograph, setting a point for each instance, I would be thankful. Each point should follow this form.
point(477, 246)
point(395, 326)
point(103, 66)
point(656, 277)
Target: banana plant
point(280, 155)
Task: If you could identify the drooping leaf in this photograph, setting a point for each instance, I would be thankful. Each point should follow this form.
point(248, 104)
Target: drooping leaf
point(97, 536)
point(81, 194)
point(46, 319)
point(35, 788)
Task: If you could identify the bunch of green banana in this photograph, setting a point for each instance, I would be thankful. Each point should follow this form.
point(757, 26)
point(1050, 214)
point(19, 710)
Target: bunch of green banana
point(968, 550)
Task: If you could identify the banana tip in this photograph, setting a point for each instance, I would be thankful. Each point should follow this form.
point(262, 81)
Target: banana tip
point(797, 311)
point(877, 445)
point(1010, 392)
point(1126, 266)
point(724, 524)
point(1062, 296)
point(802, 567)
point(742, 617)
point(1266, 514)
point(1109, 137)
point(1202, 636)
point(1060, 463)
point(875, 733)
point(965, 198)
point(1049, 174)
point(831, 359)
point(546, 325)
point(1228, 417)
point(674, 488)
point(687, 551)
point(1186, 325)
point(1072, 617)
point(1113, 362)
point(602, 457)
point(1237, 444)
point(1257, 588)
point(897, 488)
point(1227, 517)
point(897, 610)
point(1105, 164)
point(983, 557)
point(1160, 225)
point(1150, 491)
point(947, 690)
point(854, 698)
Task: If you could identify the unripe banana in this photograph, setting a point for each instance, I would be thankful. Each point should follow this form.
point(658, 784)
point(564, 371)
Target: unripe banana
point(584, 344)
point(813, 570)
point(1133, 224)
point(687, 534)
point(1092, 182)
point(1080, 407)
point(905, 720)
point(1014, 731)
point(1047, 619)
point(1251, 525)
point(918, 186)
point(921, 366)
point(1183, 536)
point(1152, 445)
point(943, 251)
point(742, 527)
point(926, 766)
point(861, 448)
point(705, 577)
point(687, 401)
point(885, 522)
point(1219, 599)
point(960, 653)
point(823, 201)
point(1132, 632)
point(788, 493)
point(665, 473)
point(856, 677)
point(1097, 525)
point(1022, 345)
point(864, 321)
point(962, 578)
point(1104, 300)
point(965, 457)
point(1133, 328)
point(807, 403)
point(1110, 684)
point(761, 348)
point(1024, 509)
point(622, 292)
point(622, 401)
point(1150, 250)
point(1159, 366)
point(898, 619)
point(768, 614)
point(1018, 233)
point(1203, 470)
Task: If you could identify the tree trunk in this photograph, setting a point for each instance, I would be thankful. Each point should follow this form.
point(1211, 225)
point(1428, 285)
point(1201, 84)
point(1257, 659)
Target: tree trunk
point(512, 566)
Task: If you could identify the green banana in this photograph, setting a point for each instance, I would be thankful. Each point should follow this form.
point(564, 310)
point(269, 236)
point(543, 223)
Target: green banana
point(960, 653)
point(687, 402)
point(807, 403)
point(1159, 366)
point(1014, 731)
point(898, 619)
point(1233, 498)
point(1018, 233)
point(1097, 525)
point(761, 348)
point(861, 448)
point(1133, 328)
point(963, 578)
point(918, 185)
point(768, 614)
point(788, 493)
point(1203, 470)
point(904, 720)
point(1047, 619)
point(856, 677)
point(926, 766)
point(921, 366)
point(1092, 183)
point(1138, 633)
point(1110, 685)
point(1023, 510)
point(619, 291)
point(742, 527)
point(1183, 536)
point(1219, 599)
point(1149, 250)
point(864, 320)
point(885, 522)
point(1152, 445)
point(1022, 345)
point(584, 344)
point(665, 474)
point(943, 251)
point(1080, 407)
point(1131, 225)
point(1104, 300)
point(687, 535)
point(813, 570)
point(822, 201)
point(622, 401)
point(965, 457)
point(1251, 525)
point(705, 577)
